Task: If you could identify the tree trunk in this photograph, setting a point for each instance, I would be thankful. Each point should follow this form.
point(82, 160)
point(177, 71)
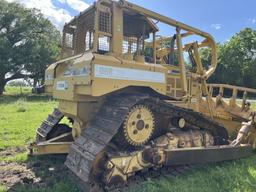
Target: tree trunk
point(2, 85)
point(34, 82)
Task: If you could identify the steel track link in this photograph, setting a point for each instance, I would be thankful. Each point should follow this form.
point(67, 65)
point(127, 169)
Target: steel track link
point(105, 125)
point(47, 125)
point(142, 178)
point(98, 133)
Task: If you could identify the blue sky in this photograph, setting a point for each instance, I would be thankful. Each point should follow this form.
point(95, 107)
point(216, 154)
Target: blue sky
point(221, 18)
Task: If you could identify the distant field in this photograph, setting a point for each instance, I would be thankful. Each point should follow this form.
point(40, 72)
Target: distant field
point(20, 116)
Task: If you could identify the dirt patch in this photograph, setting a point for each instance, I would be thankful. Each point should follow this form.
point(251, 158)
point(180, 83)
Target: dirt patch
point(13, 173)
point(11, 151)
point(39, 172)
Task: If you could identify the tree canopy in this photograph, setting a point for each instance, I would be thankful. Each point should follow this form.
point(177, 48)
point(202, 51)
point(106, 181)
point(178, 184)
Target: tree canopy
point(237, 60)
point(28, 42)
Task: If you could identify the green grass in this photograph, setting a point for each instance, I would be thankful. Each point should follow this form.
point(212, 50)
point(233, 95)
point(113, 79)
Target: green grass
point(20, 116)
point(3, 188)
point(235, 176)
point(11, 90)
point(254, 105)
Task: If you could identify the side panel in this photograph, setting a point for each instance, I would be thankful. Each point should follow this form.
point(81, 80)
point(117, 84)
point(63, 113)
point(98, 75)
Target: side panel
point(111, 74)
point(73, 78)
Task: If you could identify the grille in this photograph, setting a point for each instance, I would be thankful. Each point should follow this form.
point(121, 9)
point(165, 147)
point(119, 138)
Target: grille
point(69, 40)
point(104, 44)
point(129, 44)
point(105, 22)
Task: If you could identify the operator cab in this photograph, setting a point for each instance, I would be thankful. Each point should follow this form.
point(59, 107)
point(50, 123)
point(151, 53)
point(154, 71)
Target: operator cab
point(80, 34)
point(100, 28)
point(125, 32)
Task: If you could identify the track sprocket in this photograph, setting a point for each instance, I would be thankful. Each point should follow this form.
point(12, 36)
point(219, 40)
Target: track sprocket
point(139, 125)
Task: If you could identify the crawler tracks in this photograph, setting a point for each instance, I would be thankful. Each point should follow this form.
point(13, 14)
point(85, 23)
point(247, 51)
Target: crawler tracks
point(138, 179)
point(98, 134)
point(48, 125)
point(85, 158)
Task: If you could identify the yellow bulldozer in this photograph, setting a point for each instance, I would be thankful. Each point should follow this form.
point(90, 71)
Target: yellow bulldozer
point(132, 103)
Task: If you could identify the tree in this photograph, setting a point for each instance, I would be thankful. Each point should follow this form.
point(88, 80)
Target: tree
point(28, 43)
point(237, 60)
point(220, 72)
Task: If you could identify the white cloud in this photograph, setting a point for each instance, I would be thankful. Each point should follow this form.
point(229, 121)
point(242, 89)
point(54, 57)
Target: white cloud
point(47, 8)
point(253, 20)
point(62, 1)
point(77, 5)
point(216, 26)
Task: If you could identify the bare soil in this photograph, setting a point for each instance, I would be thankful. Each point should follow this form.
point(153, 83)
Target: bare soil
point(37, 172)
point(13, 173)
point(11, 151)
